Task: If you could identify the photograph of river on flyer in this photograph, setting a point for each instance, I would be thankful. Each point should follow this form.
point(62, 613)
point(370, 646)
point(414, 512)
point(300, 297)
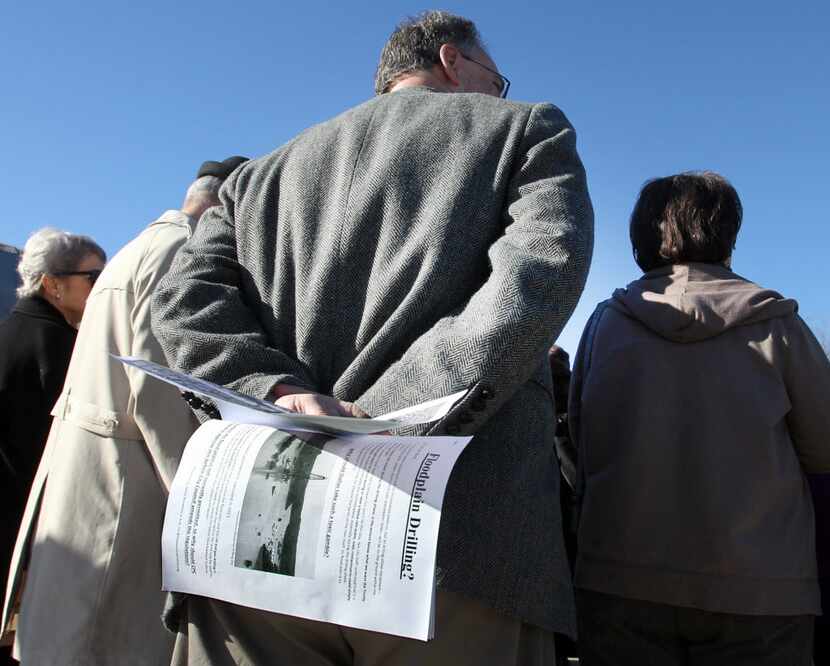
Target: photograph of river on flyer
point(279, 524)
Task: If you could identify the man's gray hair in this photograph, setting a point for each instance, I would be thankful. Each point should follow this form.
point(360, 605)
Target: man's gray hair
point(416, 42)
point(203, 190)
point(49, 251)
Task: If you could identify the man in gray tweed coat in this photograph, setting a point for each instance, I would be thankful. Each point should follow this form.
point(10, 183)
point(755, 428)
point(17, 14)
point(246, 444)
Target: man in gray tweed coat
point(418, 244)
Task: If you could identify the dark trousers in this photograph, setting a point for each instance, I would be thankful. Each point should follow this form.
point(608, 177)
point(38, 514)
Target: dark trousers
point(614, 631)
point(6, 656)
point(466, 633)
point(820, 485)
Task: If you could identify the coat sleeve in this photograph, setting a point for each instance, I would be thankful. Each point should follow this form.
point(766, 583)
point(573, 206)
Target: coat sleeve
point(200, 316)
point(494, 342)
point(807, 377)
point(162, 416)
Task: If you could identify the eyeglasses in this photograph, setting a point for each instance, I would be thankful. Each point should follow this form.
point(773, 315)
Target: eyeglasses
point(91, 275)
point(505, 82)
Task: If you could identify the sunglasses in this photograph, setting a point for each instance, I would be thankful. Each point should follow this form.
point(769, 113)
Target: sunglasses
point(90, 275)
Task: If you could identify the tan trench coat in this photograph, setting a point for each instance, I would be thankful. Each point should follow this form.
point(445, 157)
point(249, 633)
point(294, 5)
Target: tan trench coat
point(92, 592)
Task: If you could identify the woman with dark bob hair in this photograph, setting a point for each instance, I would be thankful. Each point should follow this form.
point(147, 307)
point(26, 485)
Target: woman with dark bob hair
point(698, 403)
point(57, 270)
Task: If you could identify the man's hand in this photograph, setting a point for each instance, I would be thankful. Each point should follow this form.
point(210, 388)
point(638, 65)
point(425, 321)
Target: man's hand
point(302, 401)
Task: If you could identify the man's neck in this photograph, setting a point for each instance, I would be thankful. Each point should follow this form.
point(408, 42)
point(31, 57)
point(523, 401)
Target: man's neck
point(418, 79)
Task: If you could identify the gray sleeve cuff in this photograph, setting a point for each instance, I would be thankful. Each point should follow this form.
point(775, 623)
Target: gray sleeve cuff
point(259, 385)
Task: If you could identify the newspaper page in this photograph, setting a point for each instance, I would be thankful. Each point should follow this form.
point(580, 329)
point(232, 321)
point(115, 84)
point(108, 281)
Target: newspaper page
point(235, 406)
point(336, 529)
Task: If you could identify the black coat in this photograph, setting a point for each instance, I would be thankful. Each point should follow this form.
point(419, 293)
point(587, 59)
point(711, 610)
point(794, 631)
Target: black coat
point(35, 347)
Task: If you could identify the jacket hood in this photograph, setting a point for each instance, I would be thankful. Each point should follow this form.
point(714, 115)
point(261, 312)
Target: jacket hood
point(692, 302)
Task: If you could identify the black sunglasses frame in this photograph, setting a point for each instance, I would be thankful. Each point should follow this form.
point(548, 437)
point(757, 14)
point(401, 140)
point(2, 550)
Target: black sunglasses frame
point(91, 275)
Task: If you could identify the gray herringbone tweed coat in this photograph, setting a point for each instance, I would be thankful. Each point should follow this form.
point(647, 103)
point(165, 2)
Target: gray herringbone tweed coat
point(418, 244)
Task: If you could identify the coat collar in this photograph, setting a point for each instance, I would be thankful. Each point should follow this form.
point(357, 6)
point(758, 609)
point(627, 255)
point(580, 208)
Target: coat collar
point(39, 308)
point(177, 218)
point(405, 89)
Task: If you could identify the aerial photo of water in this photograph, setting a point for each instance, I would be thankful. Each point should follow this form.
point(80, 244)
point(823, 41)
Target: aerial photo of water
point(283, 507)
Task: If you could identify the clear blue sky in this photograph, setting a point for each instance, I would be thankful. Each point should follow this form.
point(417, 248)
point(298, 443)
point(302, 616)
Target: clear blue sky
point(108, 109)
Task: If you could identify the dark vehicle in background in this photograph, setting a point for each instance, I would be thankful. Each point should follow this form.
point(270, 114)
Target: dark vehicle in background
point(9, 281)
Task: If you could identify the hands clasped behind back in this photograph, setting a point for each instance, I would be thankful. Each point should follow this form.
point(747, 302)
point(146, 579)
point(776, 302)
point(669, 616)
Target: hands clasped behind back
point(302, 401)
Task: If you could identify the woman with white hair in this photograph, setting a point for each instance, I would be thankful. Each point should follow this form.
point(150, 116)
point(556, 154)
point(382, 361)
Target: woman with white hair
point(57, 271)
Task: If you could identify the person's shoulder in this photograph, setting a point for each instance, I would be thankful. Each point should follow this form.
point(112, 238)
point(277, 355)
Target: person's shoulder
point(33, 313)
point(354, 117)
point(34, 339)
point(605, 306)
point(406, 108)
point(488, 104)
point(158, 244)
point(605, 313)
point(10, 329)
point(536, 121)
point(254, 174)
point(47, 333)
point(480, 108)
point(166, 232)
point(154, 247)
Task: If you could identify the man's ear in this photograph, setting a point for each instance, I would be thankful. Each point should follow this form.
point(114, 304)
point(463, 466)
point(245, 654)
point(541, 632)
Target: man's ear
point(450, 56)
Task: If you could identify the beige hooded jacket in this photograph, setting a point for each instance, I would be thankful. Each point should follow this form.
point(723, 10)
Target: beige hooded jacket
point(698, 402)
